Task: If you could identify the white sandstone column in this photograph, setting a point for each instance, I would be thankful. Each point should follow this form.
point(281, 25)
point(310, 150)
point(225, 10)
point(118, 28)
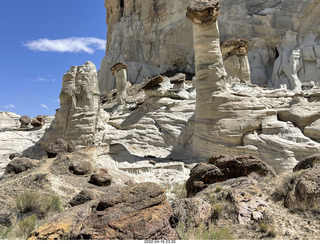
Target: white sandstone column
point(210, 72)
point(119, 70)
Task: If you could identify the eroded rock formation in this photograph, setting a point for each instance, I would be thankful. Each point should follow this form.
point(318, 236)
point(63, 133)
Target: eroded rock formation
point(119, 70)
point(79, 117)
point(210, 72)
point(158, 39)
point(235, 60)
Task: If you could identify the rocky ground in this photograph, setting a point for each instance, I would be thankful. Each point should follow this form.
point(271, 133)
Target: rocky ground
point(100, 201)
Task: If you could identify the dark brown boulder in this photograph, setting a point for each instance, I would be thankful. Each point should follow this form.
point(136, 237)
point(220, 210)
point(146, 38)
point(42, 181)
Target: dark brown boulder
point(39, 121)
point(20, 165)
point(307, 163)
point(137, 212)
point(80, 167)
point(60, 146)
point(101, 178)
point(221, 168)
point(83, 197)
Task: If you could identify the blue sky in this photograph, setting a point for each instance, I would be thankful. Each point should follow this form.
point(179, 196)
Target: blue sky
point(40, 41)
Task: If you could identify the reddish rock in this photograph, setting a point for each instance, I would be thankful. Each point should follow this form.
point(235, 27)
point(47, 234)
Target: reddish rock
point(137, 212)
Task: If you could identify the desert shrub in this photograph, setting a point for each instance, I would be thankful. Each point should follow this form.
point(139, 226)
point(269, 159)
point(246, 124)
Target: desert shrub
point(51, 203)
point(203, 232)
point(264, 227)
point(218, 188)
point(31, 202)
point(268, 229)
point(180, 191)
point(27, 225)
point(27, 202)
point(218, 209)
point(5, 232)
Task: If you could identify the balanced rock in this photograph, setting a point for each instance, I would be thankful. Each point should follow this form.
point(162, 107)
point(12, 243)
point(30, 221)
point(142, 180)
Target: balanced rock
point(235, 59)
point(178, 80)
point(38, 121)
point(25, 121)
point(222, 168)
point(119, 70)
point(20, 165)
point(159, 38)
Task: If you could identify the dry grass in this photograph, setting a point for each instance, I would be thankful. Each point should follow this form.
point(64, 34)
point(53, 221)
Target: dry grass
point(30, 202)
point(202, 232)
point(180, 191)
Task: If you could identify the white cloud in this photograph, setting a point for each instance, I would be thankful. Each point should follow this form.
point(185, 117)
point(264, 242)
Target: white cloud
point(72, 44)
point(44, 106)
point(45, 79)
point(9, 106)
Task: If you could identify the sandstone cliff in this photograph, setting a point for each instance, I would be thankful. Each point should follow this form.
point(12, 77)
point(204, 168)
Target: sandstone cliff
point(153, 37)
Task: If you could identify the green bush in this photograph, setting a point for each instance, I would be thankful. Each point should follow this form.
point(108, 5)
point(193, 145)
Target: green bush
point(31, 202)
point(51, 203)
point(27, 202)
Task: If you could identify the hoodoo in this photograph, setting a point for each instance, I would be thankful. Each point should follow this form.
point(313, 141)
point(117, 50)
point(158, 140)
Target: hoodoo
point(119, 70)
point(235, 59)
point(209, 69)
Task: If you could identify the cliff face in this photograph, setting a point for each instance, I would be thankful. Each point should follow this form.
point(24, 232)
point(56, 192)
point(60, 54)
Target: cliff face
point(153, 37)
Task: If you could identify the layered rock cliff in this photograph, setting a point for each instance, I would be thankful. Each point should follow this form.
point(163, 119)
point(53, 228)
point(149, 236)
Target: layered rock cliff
point(153, 37)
